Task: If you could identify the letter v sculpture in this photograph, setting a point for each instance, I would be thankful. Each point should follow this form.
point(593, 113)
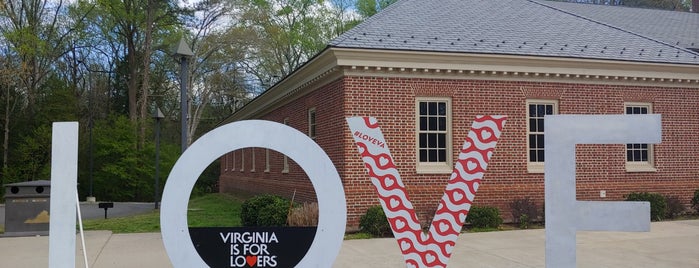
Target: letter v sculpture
point(434, 248)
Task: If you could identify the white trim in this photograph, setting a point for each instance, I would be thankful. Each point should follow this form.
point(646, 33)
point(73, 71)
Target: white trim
point(232, 160)
point(225, 162)
point(434, 167)
point(267, 167)
point(312, 123)
point(242, 160)
point(640, 166)
point(536, 167)
point(285, 161)
point(252, 168)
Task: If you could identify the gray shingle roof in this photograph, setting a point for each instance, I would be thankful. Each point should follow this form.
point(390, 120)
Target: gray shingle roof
point(676, 28)
point(513, 27)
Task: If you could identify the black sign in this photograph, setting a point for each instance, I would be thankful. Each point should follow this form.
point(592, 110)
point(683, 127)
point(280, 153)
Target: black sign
point(252, 246)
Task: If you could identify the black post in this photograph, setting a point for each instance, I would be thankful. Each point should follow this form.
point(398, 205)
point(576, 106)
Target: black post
point(157, 161)
point(183, 99)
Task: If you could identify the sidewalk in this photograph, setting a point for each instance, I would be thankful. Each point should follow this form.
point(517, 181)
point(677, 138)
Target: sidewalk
point(669, 244)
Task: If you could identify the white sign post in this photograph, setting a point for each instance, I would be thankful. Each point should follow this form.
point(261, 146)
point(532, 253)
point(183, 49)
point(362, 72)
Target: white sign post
point(564, 214)
point(64, 182)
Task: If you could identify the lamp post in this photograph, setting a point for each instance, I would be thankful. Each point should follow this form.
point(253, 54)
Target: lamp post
point(157, 115)
point(184, 52)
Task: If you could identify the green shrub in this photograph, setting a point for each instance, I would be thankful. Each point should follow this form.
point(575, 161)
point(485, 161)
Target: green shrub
point(695, 201)
point(524, 221)
point(264, 210)
point(674, 206)
point(484, 217)
point(658, 204)
point(375, 222)
point(524, 209)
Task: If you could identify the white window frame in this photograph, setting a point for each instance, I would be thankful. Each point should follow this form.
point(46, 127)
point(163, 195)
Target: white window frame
point(640, 166)
point(232, 154)
point(312, 123)
point(225, 162)
point(267, 166)
point(242, 160)
point(536, 167)
point(445, 167)
point(285, 163)
point(252, 160)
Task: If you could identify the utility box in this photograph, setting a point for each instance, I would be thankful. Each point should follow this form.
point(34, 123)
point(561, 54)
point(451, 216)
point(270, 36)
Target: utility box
point(27, 207)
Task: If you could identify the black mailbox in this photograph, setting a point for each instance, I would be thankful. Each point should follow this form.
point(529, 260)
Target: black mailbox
point(105, 206)
point(27, 206)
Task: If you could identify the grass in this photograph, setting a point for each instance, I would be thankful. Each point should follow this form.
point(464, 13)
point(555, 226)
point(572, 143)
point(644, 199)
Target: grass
point(211, 210)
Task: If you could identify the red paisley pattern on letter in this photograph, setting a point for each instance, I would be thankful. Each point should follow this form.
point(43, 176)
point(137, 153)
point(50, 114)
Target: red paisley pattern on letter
point(431, 249)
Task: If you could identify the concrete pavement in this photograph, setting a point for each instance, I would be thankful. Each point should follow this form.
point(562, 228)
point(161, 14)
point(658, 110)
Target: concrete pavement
point(668, 244)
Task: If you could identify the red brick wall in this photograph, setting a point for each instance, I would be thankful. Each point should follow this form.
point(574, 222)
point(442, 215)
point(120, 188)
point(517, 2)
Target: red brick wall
point(392, 101)
point(328, 103)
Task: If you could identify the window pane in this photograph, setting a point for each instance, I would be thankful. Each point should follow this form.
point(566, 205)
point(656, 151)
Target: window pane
point(644, 155)
point(636, 155)
point(629, 110)
point(540, 155)
point(423, 123)
point(532, 141)
point(442, 108)
point(532, 125)
point(423, 108)
point(432, 140)
point(540, 125)
point(433, 108)
point(423, 155)
point(540, 141)
point(532, 110)
point(442, 155)
point(549, 109)
point(629, 155)
point(423, 140)
point(432, 156)
point(442, 124)
point(441, 141)
point(644, 110)
point(532, 155)
point(540, 110)
point(433, 123)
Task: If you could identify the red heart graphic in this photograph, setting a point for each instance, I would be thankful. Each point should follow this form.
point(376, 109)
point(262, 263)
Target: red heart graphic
point(252, 260)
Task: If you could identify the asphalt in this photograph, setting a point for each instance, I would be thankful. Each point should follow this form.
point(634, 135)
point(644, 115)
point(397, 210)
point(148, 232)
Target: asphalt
point(92, 211)
point(668, 244)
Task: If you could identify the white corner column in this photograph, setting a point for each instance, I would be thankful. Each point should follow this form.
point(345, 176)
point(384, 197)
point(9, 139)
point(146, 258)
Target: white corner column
point(64, 181)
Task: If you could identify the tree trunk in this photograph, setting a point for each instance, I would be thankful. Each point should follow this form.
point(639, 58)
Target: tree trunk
point(146, 73)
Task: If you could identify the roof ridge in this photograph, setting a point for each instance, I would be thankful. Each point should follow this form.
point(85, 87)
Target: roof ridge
point(344, 36)
point(613, 27)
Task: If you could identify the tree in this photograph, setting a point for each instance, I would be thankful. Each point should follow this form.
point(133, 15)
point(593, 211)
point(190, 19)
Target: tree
point(132, 27)
point(216, 77)
point(285, 34)
point(368, 8)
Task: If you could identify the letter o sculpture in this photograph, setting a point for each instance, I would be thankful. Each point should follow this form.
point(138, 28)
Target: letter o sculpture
point(332, 209)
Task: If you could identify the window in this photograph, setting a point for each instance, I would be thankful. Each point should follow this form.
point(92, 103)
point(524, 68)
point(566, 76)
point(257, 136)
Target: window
point(433, 135)
point(252, 159)
point(312, 123)
point(639, 156)
point(537, 109)
point(285, 167)
point(267, 160)
point(242, 160)
point(232, 154)
point(225, 162)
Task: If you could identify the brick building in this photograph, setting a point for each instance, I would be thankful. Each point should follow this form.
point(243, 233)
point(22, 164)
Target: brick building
point(449, 61)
